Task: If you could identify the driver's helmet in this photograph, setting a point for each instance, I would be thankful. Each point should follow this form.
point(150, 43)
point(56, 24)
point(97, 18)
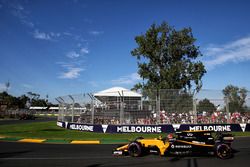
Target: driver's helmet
point(170, 136)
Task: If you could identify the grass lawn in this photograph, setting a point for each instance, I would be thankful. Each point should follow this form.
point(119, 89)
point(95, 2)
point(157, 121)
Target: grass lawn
point(49, 130)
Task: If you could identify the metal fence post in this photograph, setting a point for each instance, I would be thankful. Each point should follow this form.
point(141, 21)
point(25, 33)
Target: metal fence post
point(121, 108)
point(73, 106)
point(59, 110)
point(158, 104)
point(64, 111)
point(92, 108)
point(63, 108)
point(227, 109)
point(195, 109)
point(122, 113)
point(60, 114)
point(92, 112)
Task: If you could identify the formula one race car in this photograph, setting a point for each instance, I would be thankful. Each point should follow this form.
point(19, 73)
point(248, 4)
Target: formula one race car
point(181, 144)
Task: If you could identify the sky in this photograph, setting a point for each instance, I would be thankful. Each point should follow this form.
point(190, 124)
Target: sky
point(57, 48)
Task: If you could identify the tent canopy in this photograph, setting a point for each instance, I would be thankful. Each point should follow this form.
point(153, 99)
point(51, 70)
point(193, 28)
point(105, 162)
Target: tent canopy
point(117, 92)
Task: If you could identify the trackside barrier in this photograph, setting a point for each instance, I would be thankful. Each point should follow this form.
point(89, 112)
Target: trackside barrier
point(247, 128)
point(60, 124)
point(164, 128)
point(212, 127)
point(140, 128)
point(84, 127)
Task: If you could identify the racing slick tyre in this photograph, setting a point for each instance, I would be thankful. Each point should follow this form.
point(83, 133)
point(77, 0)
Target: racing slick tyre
point(223, 151)
point(135, 149)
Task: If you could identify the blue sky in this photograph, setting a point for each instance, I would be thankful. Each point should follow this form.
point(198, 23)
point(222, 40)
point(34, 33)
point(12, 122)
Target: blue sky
point(70, 47)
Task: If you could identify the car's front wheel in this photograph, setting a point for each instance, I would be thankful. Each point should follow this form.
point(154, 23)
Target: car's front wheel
point(135, 149)
point(223, 151)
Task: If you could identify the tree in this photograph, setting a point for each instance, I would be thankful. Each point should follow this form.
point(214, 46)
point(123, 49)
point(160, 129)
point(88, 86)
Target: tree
point(39, 102)
point(36, 101)
point(206, 105)
point(33, 96)
point(22, 101)
point(7, 85)
point(9, 100)
point(180, 101)
point(236, 97)
point(47, 98)
point(167, 59)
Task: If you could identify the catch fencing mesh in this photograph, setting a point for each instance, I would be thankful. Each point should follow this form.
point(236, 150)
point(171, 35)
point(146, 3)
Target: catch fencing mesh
point(153, 107)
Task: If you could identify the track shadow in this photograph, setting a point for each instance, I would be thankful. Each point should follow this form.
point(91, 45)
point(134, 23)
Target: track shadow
point(175, 159)
point(195, 162)
point(190, 161)
point(12, 154)
point(95, 165)
point(235, 151)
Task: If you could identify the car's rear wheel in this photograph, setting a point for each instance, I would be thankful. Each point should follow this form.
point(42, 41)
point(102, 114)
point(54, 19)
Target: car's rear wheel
point(135, 149)
point(223, 151)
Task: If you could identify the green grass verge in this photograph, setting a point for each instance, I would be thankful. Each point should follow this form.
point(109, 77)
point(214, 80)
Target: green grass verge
point(49, 130)
point(10, 139)
point(241, 134)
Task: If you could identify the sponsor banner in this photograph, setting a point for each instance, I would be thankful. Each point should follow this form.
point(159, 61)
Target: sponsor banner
point(247, 129)
point(176, 126)
point(166, 128)
point(60, 124)
point(139, 129)
point(85, 127)
point(104, 128)
point(243, 127)
point(212, 127)
point(181, 146)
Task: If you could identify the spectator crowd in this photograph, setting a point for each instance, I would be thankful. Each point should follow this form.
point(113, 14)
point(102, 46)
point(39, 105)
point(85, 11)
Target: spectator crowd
point(216, 117)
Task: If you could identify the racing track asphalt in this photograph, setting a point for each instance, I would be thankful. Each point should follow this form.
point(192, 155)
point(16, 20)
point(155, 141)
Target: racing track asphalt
point(14, 154)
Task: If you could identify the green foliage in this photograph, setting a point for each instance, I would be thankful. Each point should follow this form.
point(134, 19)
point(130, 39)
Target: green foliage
point(206, 105)
point(236, 97)
point(184, 102)
point(10, 101)
point(7, 85)
point(167, 59)
point(176, 101)
point(23, 100)
point(170, 100)
point(13, 102)
point(33, 95)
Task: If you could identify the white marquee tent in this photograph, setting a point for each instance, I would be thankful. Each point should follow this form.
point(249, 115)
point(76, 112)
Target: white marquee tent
point(112, 97)
point(117, 92)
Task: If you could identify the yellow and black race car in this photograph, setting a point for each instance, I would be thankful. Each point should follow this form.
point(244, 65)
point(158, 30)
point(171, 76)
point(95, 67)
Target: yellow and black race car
point(181, 144)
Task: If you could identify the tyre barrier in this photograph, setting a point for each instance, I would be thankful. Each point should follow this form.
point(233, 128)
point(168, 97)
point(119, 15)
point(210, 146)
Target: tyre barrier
point(161, 128)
